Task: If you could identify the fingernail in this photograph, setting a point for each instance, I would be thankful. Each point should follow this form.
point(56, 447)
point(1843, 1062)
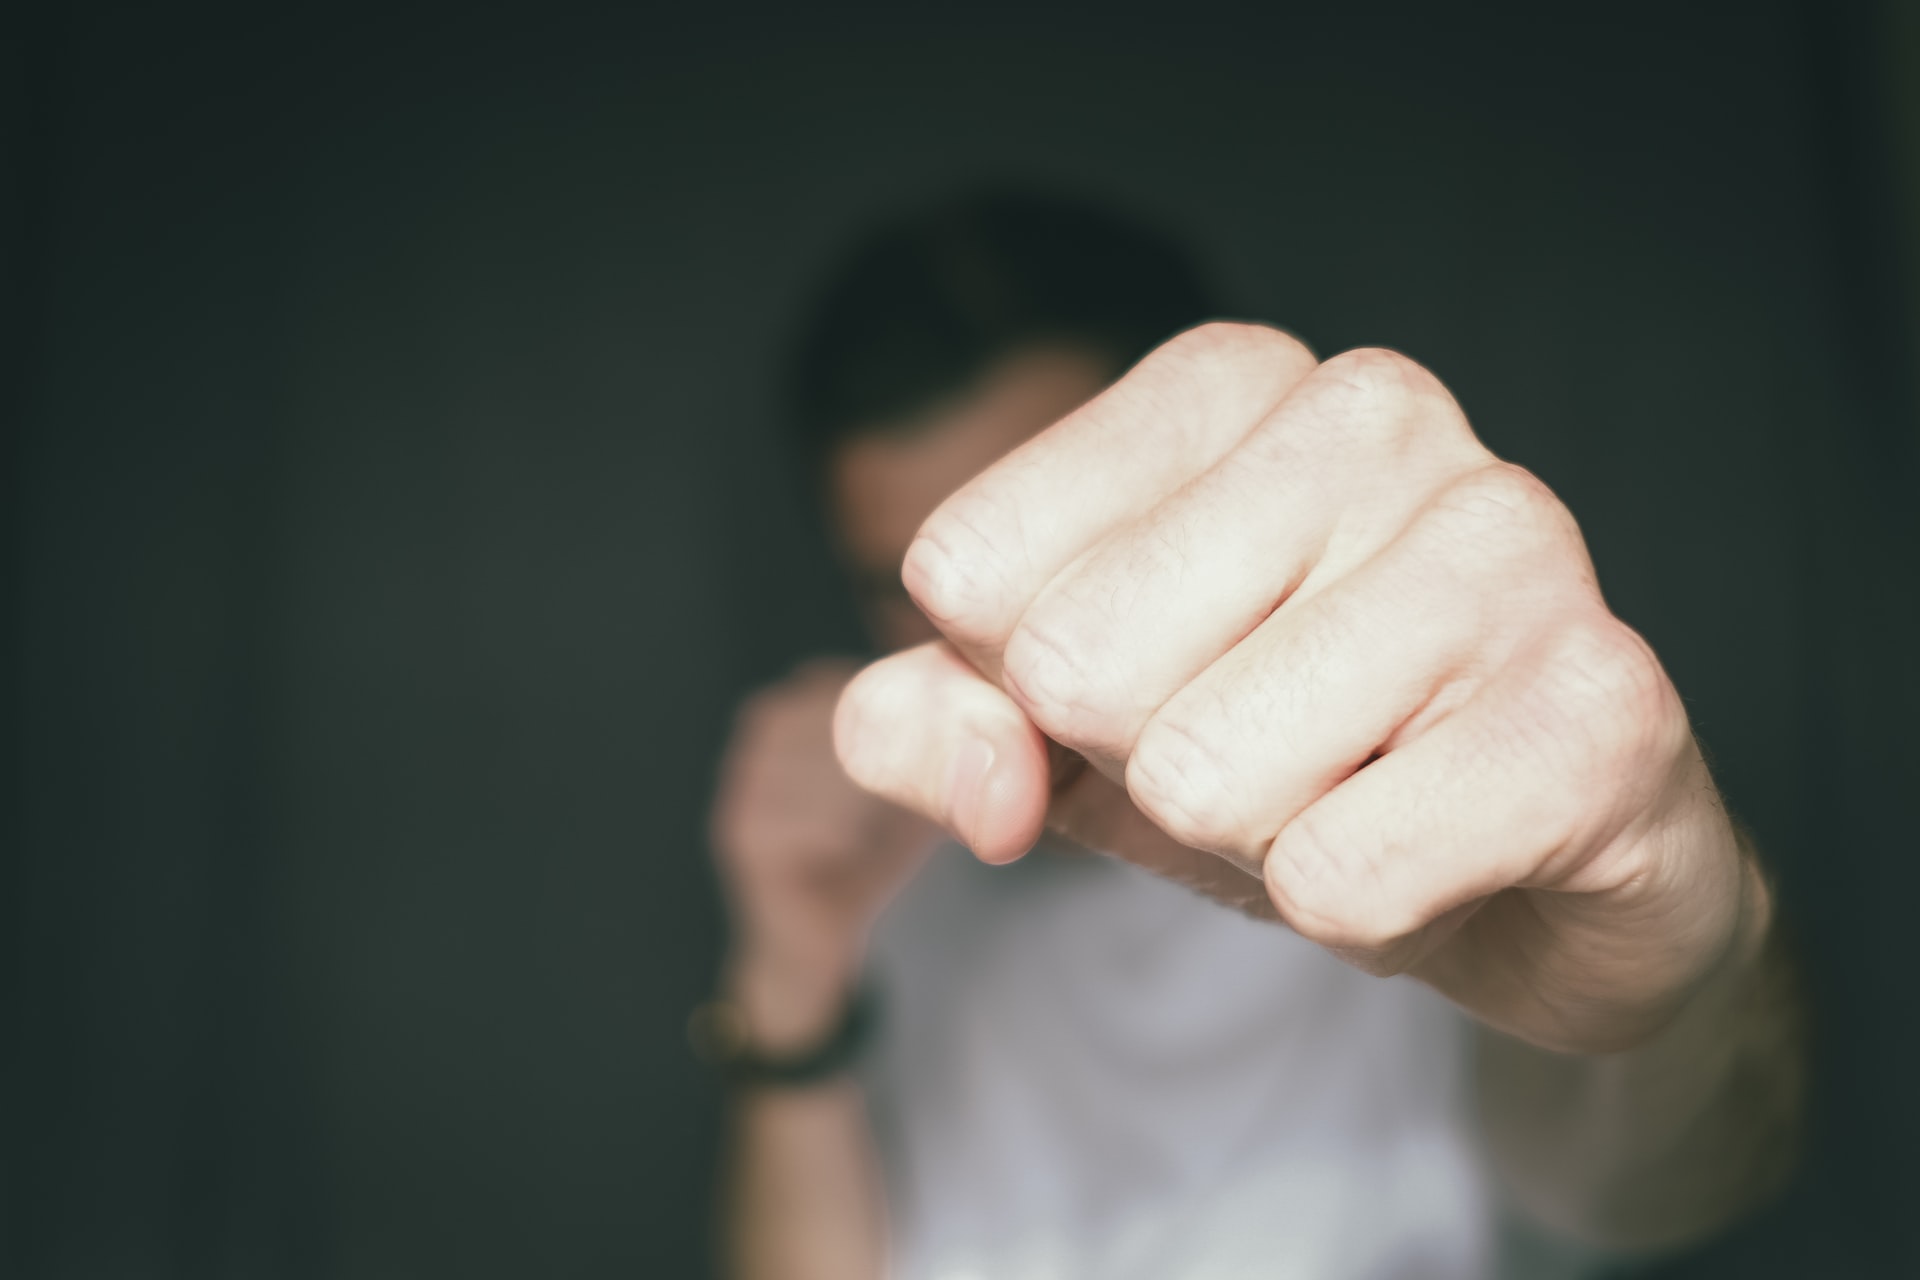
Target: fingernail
point(967, 789)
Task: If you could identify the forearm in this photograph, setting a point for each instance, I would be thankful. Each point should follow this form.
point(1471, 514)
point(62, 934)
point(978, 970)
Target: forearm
point(802, 1195)
point(1662, 1143)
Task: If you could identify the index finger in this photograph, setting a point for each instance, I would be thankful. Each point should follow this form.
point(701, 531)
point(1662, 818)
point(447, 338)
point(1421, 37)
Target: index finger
point(988, 550)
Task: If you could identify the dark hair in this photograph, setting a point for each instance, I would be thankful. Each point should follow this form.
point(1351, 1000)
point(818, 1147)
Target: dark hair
point(925, 303)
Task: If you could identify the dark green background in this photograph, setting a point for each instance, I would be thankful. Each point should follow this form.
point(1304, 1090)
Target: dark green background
point(392, 517)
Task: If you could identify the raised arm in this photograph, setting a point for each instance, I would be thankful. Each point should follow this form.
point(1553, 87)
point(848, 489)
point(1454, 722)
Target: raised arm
point(807, 860)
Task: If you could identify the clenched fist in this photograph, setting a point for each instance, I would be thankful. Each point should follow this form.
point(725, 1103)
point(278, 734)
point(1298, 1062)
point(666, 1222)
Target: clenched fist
point(1287, 631)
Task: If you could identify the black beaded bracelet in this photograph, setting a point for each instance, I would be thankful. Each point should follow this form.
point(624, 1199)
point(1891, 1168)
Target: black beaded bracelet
point(718, 1034)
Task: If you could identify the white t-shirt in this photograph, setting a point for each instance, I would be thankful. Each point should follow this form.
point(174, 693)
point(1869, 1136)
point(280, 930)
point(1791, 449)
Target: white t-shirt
point(1086, 1071)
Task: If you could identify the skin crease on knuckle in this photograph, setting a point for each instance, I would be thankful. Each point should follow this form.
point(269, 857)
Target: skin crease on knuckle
point(1055, 679)
point(1608, 692)
point(1075, 660)
point(1330, 892)
point(1571, 721)
point(1380, 437)
point(1281, 704)
point(949, 571)
point(1501, 508)
point(1625, 735)
point(1373, 397)
point(1177, 778)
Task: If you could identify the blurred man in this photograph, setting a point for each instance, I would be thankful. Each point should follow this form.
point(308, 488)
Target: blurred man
point(1272, 629)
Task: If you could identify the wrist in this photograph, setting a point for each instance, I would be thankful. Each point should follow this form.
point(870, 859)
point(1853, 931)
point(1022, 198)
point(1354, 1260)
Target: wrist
point(1733, 977)
point(1725, 987)
point(720, 1036)
point(786, 1002)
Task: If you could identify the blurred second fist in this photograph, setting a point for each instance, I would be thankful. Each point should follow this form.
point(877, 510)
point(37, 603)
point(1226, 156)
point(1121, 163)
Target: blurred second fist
point(807, 858)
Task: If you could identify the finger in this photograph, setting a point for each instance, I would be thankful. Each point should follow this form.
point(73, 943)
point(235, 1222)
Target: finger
point(1495, 796)
point(1095, 813)
point(984, 554)
point(1359, 444)
point(923, 729)
point(1327, 682)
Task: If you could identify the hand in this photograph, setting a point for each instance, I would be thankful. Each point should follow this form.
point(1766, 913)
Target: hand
point(1297, 618)
point(808, 859)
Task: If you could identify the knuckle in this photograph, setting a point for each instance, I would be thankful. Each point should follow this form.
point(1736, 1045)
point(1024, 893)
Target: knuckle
point(1221, 346)
point(1609, 682)
point(1498, 514)
point(953, 570)
point(1178, 777)
point(1241, 368)
point(1373, 395)
point(1377, 375)
point(1333, 893)
point(1061, 681)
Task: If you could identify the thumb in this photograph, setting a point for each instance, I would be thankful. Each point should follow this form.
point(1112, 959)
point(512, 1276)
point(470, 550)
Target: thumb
point(925, 730)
